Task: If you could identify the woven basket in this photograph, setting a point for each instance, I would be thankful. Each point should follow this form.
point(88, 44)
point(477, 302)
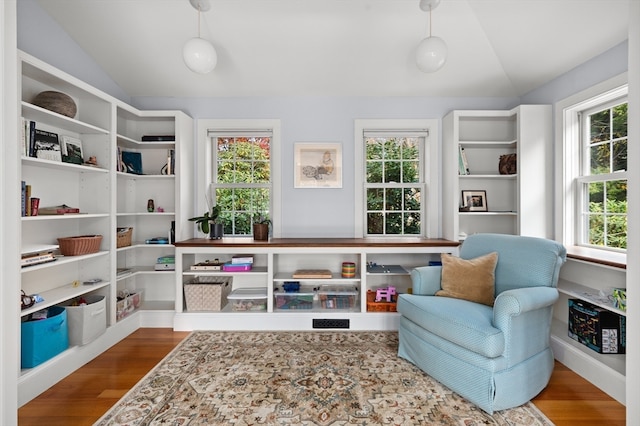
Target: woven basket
point(83, 244)
point(56, 102)
point(123, 237)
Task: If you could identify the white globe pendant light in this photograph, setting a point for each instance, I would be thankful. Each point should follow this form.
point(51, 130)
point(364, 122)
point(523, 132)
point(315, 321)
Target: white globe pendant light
point(431, 53)
point(199, 54)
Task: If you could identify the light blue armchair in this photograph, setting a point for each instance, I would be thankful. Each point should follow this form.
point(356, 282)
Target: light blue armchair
point(495, 357)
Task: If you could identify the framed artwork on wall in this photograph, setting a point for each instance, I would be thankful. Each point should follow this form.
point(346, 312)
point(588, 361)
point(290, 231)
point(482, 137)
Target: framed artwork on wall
point(474, 201)
point(318, 165)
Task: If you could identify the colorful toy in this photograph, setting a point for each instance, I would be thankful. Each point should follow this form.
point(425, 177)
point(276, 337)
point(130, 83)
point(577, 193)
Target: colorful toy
point(386, 293)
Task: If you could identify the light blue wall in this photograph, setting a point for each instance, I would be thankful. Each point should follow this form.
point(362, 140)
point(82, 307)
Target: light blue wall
point(306, 212)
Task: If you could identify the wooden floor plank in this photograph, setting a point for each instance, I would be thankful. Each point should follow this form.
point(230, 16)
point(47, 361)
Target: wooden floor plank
point(85, 395)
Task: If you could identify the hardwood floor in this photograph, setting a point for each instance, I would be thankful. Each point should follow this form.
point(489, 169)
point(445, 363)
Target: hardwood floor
point(85, 395)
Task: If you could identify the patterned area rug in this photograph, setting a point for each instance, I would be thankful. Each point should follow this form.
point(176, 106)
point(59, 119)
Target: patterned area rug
point(297, 378)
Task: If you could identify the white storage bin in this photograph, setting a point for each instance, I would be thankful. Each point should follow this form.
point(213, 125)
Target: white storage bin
point(248, 299)
point(86, 322)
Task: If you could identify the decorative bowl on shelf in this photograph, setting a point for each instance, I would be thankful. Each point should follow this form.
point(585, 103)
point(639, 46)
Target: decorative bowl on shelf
point(56, 102)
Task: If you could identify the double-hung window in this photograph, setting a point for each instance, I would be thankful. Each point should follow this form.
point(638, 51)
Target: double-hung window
point(593, 169)
point(240, 177)
point(602, 184)
point(394, 177)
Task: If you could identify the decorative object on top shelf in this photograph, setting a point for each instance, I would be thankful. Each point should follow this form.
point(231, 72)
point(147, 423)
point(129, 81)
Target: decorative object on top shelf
point(476, 201)
point(57, 102)
point(83, 244)
point(261, 224)
point(508, 164)
point(208, 223)
point(151, 205)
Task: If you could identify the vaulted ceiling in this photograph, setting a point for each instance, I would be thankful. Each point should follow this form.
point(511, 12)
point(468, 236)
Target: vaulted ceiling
point(501, 48)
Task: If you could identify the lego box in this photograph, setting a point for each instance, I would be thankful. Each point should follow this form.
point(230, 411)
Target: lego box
point(597, 328)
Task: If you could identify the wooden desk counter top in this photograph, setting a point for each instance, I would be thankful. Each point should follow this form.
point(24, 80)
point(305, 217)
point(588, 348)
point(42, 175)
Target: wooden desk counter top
point(318, 242)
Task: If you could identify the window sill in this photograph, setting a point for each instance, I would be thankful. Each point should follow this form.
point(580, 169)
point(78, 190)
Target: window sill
point(601, 257)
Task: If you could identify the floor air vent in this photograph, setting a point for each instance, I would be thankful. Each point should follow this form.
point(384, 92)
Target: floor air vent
point(330, 323)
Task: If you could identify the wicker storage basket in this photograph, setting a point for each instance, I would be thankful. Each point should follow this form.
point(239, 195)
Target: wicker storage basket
point(207, 293)
point(83, 244)
point(123, 237)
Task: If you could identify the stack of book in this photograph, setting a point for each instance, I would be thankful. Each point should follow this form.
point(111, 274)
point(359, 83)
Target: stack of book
point(166, 263)
point(38, 255)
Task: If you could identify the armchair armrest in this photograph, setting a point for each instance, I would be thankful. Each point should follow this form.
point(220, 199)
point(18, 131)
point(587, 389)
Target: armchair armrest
point(524, 316)
point(426, 280)
point(521, 300)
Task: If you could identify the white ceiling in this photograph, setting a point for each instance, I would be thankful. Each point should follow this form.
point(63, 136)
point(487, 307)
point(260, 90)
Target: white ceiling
point(499, 48)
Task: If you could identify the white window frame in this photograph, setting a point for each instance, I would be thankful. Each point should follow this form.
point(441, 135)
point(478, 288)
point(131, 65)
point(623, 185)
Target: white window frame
point(430, 160)
point(205, 166)
point(569, 157)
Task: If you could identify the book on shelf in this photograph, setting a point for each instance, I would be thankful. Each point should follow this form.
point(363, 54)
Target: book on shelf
point(47, 145)
point(61, 209)
point(159, 138)
point(121, 272)
point(312, 273)
point(157, 240)
point(28, 137)
point(23, 191)
point(165, 267)
point(463, 165)
point(245, 258)
point(37, 260)
point(37, 255)
point(166, 259)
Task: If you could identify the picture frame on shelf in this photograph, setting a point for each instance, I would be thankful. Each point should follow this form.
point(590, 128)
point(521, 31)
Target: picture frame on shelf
point(318, 165)
point(132, 162)
point(71, 150)
point(474, 201)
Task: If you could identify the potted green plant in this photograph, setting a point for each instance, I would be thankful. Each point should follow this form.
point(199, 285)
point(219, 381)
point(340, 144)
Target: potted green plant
point(208, 223)
point(261, 224)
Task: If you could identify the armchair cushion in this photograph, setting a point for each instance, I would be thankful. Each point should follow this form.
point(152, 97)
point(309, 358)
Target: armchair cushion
point(472, 279)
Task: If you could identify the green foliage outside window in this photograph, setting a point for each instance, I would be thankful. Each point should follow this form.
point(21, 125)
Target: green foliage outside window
point(243, 185)
point(607, 200)
point(393, 186)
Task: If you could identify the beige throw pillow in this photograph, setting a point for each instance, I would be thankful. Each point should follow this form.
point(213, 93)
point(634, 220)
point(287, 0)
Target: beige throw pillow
point(472, 280)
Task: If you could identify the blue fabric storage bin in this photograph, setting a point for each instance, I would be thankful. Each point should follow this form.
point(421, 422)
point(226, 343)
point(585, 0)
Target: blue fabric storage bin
point(43, 339)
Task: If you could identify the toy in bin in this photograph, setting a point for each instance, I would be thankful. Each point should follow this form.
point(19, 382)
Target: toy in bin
point(385, 293)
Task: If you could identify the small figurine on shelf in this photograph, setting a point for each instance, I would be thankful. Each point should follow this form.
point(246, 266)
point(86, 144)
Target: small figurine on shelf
point(386, 293)
point(150, 206)
point(92, 161)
